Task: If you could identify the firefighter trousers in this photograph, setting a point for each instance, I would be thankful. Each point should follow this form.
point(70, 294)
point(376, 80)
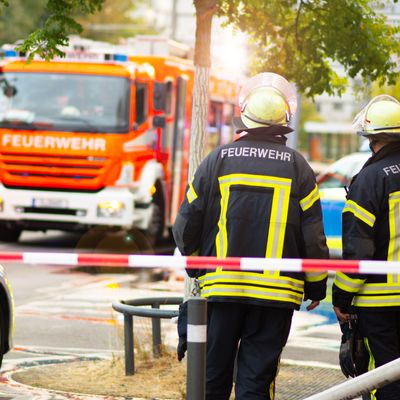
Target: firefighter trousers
point(255, 335)
point(382, 330)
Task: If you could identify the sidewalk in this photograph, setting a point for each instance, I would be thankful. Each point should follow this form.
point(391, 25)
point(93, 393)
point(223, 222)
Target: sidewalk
point(295, 382)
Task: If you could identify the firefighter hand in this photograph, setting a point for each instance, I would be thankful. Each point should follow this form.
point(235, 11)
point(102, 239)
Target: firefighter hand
point(181, 349)
point(312, 305)
point(342, 317)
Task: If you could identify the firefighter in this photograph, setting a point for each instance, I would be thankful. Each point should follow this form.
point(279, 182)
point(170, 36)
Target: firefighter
point(254, 197)
point(371, 231)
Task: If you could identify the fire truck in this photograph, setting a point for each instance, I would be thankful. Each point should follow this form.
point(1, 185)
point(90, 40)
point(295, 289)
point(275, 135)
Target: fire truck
point(99, 139)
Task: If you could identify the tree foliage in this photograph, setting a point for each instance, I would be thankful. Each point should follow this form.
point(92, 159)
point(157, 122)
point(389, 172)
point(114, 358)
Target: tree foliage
point(300, 39)
point(392, 90)
point(114, 22)
point(296, 38)
point(47, 40)
point(16, 23)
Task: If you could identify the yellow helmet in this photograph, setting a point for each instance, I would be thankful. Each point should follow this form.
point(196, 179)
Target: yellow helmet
point(380, 116)
point(267, 99)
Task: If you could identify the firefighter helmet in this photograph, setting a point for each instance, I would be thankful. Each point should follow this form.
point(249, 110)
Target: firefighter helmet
point(267, 99)
point(381, 116)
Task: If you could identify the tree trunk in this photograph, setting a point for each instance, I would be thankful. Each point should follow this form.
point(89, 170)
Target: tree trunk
point(205, 10)
point(199, 118)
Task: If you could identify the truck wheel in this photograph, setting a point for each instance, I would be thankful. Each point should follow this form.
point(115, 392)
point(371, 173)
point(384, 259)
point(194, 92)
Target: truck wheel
point(108, 240)
point(9, 235)
point(90, 239)
point(3, 336)
point(130, 241)
point(155, 229)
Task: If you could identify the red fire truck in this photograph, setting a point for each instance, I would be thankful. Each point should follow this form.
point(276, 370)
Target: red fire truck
point(99, 139)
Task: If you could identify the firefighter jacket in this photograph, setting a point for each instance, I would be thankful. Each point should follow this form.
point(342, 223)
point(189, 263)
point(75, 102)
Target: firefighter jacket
point(371, 231)
point(254, 197)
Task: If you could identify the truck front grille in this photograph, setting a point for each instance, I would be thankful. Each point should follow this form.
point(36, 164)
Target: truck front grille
point(58, 171)
point(49, 210)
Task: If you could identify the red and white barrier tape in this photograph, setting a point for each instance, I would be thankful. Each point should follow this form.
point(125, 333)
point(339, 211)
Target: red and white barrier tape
point(180, 262)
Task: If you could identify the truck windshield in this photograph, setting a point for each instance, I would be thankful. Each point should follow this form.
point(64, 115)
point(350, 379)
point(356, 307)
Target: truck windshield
point(64, 102)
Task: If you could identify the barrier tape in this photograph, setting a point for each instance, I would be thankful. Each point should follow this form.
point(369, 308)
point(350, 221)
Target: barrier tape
point(181, 262)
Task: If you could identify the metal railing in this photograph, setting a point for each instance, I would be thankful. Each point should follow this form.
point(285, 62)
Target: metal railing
point(362, 384)
point(135, 307)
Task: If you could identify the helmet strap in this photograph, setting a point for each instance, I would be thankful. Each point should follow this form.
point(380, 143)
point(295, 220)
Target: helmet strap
point(385, 128)
point(371, 145)
point(253, 118)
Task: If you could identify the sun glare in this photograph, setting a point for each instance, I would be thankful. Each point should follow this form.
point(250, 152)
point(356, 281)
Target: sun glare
point(229, 53)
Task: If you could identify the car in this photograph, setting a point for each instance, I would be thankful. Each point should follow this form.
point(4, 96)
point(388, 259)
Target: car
point(6, 315)
point(332, 183)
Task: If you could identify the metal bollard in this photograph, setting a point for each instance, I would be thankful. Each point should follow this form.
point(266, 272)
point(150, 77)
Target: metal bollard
point(196, 348)
point(129, 344)
point(362, 384)
point(156, 329)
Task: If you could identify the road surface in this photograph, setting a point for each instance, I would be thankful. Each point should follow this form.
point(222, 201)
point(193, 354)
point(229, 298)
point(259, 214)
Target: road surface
point(63, 313)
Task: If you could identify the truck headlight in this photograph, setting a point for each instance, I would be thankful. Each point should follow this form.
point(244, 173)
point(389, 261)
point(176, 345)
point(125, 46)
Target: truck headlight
point(113, 209)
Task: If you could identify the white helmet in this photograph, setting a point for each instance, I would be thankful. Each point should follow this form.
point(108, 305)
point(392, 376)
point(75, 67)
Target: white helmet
point(267, 99)
point(380, 116)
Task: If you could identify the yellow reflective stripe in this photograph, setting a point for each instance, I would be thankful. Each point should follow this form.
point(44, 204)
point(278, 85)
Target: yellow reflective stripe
point(380, 288)
point(359, 212)
point(250, 278)
point(279, 210)
point(278, 219)
point(252, 292)
point(315, 276)
point(221, 240)
point(255, 180)
point(394, 232)
point(310, 199)
point(371, 366)
point(377, 301)
point(342, 281)
point(378, 295)
point(191, 194)
point(272, 390)
point(253, 285)
point(334, 243)
point(371, 363)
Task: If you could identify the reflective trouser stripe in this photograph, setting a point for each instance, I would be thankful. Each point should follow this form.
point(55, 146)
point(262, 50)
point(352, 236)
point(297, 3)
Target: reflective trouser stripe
point(371, 366)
